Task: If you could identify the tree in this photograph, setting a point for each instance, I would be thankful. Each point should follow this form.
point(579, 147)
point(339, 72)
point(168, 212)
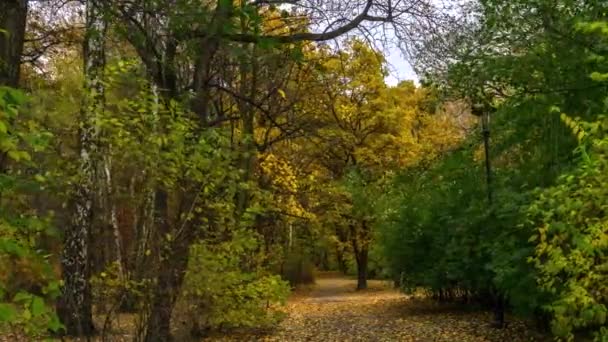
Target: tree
point(365, 130)
point(13, 17)
point(75, 307)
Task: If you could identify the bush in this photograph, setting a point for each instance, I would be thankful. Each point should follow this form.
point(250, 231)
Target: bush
point(225, 288)
point(571, 221)
point(27, 279)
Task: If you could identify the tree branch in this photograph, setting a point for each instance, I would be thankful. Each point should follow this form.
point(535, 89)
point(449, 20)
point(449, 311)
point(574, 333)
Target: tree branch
point(309, 36)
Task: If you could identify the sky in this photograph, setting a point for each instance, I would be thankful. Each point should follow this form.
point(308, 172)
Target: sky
point(399, 68)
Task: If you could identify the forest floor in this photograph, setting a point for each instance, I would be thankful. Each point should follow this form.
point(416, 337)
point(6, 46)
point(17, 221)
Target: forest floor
point(333, 311)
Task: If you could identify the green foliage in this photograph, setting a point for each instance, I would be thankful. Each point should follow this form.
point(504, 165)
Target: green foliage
point(426, 240)
point(225, 287)
point(27, 280)
point(380, 173)
point(110, 287)
point(542, 241)
point(365, 194)
point(571, 237)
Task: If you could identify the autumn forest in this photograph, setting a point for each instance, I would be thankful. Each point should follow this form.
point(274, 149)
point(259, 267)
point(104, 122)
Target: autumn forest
point(249, 170)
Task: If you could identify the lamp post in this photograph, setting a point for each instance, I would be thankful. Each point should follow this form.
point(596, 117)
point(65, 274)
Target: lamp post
point(483, 111)
point(485, 128)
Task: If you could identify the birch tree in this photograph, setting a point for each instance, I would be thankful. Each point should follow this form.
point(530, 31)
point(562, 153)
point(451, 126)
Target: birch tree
point(75, 307)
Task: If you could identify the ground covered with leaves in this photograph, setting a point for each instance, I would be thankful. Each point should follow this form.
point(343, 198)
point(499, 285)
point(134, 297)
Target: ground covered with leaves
point(333, 311)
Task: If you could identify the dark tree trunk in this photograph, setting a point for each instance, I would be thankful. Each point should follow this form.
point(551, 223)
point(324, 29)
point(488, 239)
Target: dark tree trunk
point(13, 16)
point(341, 261)
point(361, 257)
point(359, 240)
point(75, 305)
point(171, 275)
point(171, 271)
point(499, 311)
point(342, 235)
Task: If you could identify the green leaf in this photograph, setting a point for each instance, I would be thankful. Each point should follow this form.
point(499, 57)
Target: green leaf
point(27, 314)
point(10, 246)
point(14, 155)
point(22, 296)
point(7, 312)
point(55, 325)
point(38, 306)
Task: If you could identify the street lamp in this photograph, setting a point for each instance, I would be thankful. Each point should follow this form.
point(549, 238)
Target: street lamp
point(483, 111)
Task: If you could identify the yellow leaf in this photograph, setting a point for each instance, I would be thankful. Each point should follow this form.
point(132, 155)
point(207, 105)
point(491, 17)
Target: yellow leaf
point(282, 93)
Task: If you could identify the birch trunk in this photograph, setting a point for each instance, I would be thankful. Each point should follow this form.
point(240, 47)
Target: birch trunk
point(110, 209)
point(145, 223)
point(75, 305)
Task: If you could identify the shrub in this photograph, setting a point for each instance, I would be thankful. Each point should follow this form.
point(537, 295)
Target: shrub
point(27, 279)
point(571, 220)
point(225, 287)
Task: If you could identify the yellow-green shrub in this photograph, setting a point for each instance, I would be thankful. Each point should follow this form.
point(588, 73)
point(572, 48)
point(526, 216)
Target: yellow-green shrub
point(225, 287)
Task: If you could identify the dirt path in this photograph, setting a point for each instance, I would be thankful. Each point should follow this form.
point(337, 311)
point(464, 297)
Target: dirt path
point(333, 311)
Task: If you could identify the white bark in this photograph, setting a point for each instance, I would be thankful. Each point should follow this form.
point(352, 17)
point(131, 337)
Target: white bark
point(75, 305)
point(111, 215)
point(145, 227)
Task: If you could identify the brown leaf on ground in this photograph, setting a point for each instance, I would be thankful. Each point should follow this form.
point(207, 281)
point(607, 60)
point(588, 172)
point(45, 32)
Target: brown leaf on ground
point(333, 311)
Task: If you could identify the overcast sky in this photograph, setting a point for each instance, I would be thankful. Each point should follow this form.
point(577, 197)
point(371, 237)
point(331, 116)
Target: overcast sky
point(399, 68)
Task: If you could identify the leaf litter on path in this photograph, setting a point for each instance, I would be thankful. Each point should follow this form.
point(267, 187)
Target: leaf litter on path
point(334, 311)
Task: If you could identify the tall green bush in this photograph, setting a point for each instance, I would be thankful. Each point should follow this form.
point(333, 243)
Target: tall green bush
point(28, 283)
point(571, 223)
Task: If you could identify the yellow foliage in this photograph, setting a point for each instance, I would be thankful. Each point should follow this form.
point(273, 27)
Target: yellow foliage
point(283, 182)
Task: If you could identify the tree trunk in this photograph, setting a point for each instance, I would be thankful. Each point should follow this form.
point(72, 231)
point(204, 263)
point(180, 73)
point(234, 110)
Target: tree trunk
point(143, 234)
point(248, 157)
point(171, 275)
point(142, 251)
point(75, 306)
point(13, 16)
point(360, 249)
point(499, 310)
point(341, 261)
point(110, 211)
point(171, 271)
point(361, 257)
point(145, 224)
point(247, 90)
